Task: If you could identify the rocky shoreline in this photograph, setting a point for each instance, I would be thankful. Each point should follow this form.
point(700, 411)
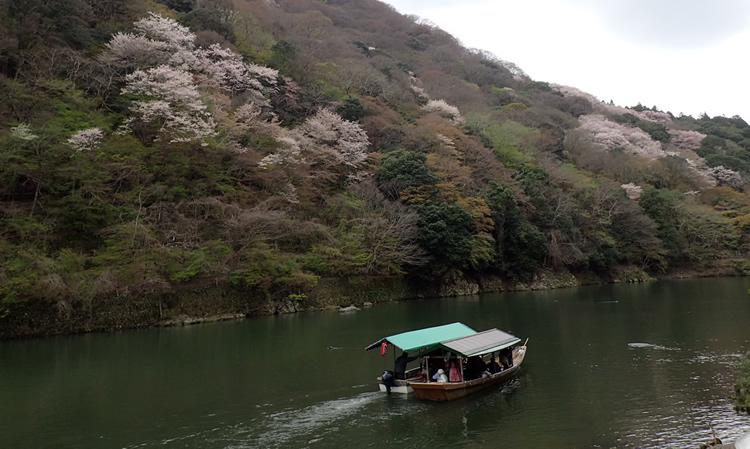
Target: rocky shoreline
point(204, 304)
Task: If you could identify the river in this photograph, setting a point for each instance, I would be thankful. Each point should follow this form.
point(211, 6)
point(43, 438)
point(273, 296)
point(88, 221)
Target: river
point(616, 366)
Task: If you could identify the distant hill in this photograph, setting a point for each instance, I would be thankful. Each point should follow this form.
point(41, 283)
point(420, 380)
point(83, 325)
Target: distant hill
point(200, 157)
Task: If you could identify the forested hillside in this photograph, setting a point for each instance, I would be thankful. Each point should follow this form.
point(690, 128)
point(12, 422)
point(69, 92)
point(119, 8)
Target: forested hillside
point(266, 149)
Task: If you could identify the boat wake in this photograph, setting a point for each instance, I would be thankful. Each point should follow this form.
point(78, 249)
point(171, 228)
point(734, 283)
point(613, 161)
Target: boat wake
point(651, 346)
point(288, 427)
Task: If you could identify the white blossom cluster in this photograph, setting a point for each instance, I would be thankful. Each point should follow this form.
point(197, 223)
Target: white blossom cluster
point(326, 133)
point(231, 73)
point(443, 109)
point(156, 40)
point(167, 72)
point(23, 132)
point(633, 191)
point(86, 139)
point(725, 176)
point(172, 100)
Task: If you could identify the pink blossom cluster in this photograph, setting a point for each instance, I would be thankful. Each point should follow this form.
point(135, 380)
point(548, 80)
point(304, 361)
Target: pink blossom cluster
point(686, 140)
point(610, 135)
point(603, 108)
point(569, 91)
point(654, 116)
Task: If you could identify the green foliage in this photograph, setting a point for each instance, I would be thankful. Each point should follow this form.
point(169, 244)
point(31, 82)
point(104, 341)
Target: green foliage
point(59, 21)
point(510, 139)
point(506, 217)
point(283, 57)
point(351, 109)
point(712, 145)
point(297, 298)
point(527, 248)
point(19, 277)
point(657, 131)
point(688, 231)
point(520, 246)
point(207, 19)
point(742, 386)
point(727, 161)
point(662, 205)
point(271, 273)
point(445, 232)
point(201, 262)
point(179, 5)
point(400, 170)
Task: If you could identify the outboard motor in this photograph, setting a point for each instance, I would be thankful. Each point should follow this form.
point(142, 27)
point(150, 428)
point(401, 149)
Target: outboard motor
point(389, 380)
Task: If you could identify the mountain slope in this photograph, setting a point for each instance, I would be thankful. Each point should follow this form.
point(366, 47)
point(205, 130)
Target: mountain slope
point(269, 149)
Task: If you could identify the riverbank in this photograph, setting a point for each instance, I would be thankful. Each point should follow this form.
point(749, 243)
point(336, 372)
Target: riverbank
point(213, 386)
point(201, 303)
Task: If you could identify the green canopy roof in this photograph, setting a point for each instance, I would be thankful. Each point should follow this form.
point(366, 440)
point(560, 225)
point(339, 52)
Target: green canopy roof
point(424, 340)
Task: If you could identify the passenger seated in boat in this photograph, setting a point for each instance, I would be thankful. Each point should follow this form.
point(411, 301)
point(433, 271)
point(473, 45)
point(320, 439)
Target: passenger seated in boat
point(494, 366)
point(454, 372)
point(506, 358)
point(441, 377)
point(436, 365)
point(399, 367)
point(474, 367)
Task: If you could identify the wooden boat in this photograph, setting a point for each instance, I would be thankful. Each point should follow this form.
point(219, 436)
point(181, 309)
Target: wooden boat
point(416, 343)
point(472, 346)
point(453, 344)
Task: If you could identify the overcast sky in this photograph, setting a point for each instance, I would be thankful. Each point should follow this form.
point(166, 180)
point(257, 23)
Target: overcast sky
point(684, 56)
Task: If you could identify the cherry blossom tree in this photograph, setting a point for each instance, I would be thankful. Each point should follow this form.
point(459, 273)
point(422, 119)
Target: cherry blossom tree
point(443, 109)
point(654, 116)
point(633, 191)
point(232, 74)
point(23, 132)
point(170, 101)
point(346, 142)
point(174, 81)
point(324, 138)
point(155, 40)
point(686, 140)
point(725, 176)
point(288, 152)
point(86, 139)
point(609, 109)
point(610, 135)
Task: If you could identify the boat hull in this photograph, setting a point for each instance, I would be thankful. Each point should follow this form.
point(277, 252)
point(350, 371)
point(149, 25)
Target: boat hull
point(436, 391)
point(402, 387)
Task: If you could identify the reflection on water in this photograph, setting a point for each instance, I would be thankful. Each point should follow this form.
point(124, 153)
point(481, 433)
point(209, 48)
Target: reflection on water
point(628, 366)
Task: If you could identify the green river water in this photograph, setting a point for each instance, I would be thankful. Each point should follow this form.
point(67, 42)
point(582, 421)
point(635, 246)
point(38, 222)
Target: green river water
point(617, 366)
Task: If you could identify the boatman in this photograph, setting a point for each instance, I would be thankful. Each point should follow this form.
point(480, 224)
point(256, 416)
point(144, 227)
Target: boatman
point(399, 367)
